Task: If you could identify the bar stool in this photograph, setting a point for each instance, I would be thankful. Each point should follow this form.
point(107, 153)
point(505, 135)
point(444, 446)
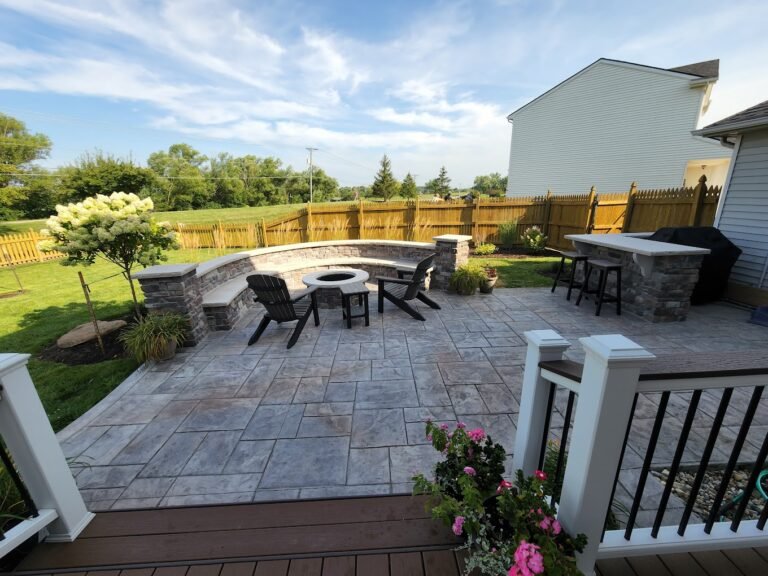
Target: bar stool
point(575, 258)
point(604, 267)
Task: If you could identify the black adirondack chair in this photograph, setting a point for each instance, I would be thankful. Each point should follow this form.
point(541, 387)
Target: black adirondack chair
point(400, 291)
point(281, 305)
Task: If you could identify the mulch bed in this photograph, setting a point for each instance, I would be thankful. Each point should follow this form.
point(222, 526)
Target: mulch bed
point(86, 353)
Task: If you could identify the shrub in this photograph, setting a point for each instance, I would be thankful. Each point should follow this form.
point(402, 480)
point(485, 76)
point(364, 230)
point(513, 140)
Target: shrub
point(510, 528)
point(467, 278)
point(485, 249)
point(508, 233)
point(149, 337)
point(534, 238)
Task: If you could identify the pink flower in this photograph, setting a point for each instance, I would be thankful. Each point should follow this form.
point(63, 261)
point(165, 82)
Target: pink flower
point(539, 475)
point(429, 437)
point(458, 524)
point(546, 524)
point(443, 426)
point(461, 425)
point(528, 560)
point(469, 471)
point(476, 435)
point(556, 527)
point(503, 485)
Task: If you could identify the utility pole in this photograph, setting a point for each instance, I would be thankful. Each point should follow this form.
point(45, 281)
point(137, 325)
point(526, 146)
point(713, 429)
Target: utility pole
point(311, 192)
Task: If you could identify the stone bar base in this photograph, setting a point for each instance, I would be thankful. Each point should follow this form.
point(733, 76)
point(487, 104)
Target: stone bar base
point(452, 251)
point(663, 294)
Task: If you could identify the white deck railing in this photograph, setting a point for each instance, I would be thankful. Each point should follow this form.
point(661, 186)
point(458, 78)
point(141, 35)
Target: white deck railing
point(606, 393)
point(27, 433)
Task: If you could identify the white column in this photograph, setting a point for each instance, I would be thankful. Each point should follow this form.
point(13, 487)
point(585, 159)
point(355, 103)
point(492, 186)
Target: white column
point(27, 433)
point(611, 372)
point(543, 346)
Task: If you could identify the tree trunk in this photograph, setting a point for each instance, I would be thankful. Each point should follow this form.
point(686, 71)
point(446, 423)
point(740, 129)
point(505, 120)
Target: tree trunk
point(133, 293)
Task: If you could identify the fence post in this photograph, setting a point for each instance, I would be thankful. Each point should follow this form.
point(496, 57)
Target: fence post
point(415, 221)
point(699, 193)
point(591, 210)
point(264, 233)
point(608, 385)
point(30, 439)
point(309, 222)
point(543, 346)
point(630, 206)
point(360, 231)
point(547, 212)
point(476, 220)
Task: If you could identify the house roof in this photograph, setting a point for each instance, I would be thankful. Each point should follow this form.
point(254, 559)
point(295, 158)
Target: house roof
point(754, 117)
point(697, 71)
point(706, 69)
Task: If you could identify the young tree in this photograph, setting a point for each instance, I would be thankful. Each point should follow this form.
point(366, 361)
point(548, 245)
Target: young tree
point(440, 185)
point(385, 185)
point(119, 228)
point(492, 184)
point(408, 188)
point(18, 149)
point(100, 173)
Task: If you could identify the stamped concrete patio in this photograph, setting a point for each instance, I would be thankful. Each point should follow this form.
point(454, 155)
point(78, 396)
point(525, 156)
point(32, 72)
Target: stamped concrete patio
point(342, 412)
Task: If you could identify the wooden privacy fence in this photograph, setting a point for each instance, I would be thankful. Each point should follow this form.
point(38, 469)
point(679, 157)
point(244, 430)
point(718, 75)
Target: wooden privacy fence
point(592, 212)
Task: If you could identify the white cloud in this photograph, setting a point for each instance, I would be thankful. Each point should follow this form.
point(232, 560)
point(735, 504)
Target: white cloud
point(412, 118)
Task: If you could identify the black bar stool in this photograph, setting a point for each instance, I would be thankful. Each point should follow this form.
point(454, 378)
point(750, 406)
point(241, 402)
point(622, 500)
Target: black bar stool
point(604, 267)
point(575, 258)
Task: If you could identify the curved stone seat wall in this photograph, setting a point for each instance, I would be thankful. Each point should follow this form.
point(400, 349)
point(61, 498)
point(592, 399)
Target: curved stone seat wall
point(182, 287)
point(219, 270)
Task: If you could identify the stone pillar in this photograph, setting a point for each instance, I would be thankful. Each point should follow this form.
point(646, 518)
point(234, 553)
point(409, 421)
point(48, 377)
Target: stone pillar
point(452, 251)
point(175, 288)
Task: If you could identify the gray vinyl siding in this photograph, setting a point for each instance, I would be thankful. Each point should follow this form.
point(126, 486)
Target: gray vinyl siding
point(608, 126)
point(744, 215)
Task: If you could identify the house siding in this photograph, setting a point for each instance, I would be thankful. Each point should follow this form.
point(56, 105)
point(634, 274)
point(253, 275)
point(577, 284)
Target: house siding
point(608, 126)
point(744, 214)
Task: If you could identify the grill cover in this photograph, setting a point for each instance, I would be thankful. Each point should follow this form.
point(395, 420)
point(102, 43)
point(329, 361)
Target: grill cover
point(716, 267)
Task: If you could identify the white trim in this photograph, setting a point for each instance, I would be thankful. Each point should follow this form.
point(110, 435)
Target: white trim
point(668, 541)
point(703, 383)
point(74, 532)
point(561, 381)
point(25, 530)
point(727, 185)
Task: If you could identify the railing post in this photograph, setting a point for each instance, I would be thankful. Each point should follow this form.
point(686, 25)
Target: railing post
point(38, 457)
point(606, 393)
point(543, 346)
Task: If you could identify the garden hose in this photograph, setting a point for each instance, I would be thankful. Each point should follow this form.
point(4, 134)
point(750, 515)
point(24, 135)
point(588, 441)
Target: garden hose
point(736, 499)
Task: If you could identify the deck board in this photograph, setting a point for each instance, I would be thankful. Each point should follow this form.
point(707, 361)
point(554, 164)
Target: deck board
point(375, 536)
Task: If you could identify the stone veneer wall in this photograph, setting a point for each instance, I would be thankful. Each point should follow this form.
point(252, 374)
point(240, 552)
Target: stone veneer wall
point(663, 296)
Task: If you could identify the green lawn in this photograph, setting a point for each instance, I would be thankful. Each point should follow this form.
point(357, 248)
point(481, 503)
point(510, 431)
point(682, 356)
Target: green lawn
point(520, 272)
point(210, 216)
point(52, 304)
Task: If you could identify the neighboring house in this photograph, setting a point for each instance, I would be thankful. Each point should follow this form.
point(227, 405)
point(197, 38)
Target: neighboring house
point(742, 214)
point(613, 123)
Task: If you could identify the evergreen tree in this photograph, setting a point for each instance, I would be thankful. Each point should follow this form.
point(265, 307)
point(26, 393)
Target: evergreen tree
point(385, 186)
point(408, 189)
point(442, 182)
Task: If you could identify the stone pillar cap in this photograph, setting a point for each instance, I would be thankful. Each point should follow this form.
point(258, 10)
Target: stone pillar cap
point(452, 238)
point(165, 271)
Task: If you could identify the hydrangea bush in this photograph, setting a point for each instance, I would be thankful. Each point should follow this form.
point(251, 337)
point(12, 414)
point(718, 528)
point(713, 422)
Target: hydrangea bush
point(510, 528)
point(534, 238)
point(119, 228)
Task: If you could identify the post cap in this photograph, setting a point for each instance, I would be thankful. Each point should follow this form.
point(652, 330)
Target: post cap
point(546, 339)
point(165, 271)
point(615, 348)
point(452, 238)
point(9, 362)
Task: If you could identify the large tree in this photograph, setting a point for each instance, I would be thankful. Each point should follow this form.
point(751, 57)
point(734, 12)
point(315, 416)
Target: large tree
point(99, 173)
point(493, 184)
point(180, 182)
point(18, 150)
point(408, 188)
point(440, 185)
point(385, 186)
point(296, 187)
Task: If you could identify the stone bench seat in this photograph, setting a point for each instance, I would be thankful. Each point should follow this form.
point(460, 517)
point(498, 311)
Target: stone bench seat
point(224, 304)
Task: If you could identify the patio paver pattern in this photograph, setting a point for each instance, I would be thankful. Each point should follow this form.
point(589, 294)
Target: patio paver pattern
point(342, 413)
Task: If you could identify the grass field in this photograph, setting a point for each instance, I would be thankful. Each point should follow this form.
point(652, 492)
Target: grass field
point(52, 304)
point(520, 273)
point(211, 216)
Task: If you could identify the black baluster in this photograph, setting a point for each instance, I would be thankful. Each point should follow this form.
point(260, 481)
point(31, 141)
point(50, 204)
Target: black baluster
point(547, 420)
point(759, 463)
point(16, 479)
point(563, 442)
point(658, 421)
point(710, 445)
point(676, 461)
point(618, 466)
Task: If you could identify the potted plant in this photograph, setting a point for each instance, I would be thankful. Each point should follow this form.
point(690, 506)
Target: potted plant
point(509, 528)
point(155, 336)
point(486, 286)
point(467, 278)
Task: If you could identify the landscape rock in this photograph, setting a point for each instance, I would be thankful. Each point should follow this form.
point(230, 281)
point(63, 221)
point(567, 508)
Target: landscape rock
point(86, 332)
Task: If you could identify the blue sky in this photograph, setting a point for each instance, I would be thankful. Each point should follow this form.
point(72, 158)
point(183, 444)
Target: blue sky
point(428, 83)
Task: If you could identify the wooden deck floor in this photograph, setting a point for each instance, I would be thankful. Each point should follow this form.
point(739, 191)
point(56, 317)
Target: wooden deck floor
point(372, 536)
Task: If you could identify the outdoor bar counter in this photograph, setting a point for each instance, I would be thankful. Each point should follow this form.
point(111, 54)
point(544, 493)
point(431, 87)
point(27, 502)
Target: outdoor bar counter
point(657, 277)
